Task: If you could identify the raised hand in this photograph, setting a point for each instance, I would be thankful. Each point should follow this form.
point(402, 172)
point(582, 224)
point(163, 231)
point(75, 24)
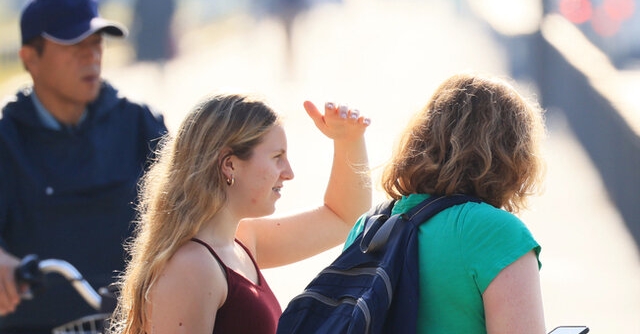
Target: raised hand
point(339, 122)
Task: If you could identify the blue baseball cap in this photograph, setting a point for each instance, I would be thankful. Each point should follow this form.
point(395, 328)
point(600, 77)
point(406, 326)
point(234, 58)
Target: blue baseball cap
point(65, 21)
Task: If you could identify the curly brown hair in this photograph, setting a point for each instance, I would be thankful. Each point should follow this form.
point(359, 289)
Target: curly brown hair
point(476, 136)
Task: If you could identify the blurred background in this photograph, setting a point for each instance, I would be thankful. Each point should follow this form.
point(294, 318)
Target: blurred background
point(579, 58)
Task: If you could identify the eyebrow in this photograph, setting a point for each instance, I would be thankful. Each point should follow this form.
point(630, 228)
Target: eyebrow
point(277, 151)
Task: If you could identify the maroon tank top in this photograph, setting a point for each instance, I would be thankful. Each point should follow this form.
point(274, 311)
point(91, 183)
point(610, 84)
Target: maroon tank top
point(249, 308)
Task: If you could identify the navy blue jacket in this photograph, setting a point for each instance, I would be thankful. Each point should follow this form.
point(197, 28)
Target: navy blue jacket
point(71, 195)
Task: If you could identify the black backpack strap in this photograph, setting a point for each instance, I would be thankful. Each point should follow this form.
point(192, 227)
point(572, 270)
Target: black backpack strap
point(379, 226)
point(434, 204)
point(383, 208)
point(376, 216)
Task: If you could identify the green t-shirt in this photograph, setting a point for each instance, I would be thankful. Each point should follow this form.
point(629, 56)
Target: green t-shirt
point(461, 250)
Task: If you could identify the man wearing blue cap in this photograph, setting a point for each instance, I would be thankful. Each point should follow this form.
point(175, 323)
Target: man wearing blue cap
point(71, 153)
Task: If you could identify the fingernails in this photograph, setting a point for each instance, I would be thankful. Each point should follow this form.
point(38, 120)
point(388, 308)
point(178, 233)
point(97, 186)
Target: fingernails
point(354, 114)
point(330, 105)
point(343, 110)
point(366, 121)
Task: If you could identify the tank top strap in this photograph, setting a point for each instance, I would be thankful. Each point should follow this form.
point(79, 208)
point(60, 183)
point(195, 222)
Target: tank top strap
point(224, 267)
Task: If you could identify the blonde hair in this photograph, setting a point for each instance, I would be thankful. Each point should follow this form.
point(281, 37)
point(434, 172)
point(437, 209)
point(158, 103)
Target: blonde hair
point(476, 136)
point(183, 189)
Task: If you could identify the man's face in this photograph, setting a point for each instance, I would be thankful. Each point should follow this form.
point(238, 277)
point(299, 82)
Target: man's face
point(69, 73)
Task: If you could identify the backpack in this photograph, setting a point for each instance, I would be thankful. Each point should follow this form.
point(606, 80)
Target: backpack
point(372, 286)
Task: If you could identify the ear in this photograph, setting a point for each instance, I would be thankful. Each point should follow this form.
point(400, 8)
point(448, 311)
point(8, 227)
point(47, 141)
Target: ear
point(226, 162)
point(29, 57)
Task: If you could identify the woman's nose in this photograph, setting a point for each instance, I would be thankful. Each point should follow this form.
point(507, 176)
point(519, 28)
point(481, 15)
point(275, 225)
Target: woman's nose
point(287, 174)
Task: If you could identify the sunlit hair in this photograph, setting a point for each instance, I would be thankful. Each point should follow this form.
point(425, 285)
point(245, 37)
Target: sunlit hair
point(476, 136)
point(184, 189)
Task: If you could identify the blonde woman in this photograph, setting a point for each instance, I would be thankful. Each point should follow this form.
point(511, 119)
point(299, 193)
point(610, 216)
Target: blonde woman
point(200, 241)
point(478, 262)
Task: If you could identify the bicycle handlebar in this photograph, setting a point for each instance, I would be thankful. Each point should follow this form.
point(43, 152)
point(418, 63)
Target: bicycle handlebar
point(31, 271)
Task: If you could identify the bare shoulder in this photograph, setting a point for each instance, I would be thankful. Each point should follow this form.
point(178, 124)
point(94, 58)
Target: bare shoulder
point(188, 293)
point(192, 272)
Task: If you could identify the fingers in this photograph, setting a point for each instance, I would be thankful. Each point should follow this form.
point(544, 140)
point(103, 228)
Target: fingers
point(354, 114)
point(343, 111)
point(339, 122)
point(312, 110)
point(317, 117)
point(9, 297)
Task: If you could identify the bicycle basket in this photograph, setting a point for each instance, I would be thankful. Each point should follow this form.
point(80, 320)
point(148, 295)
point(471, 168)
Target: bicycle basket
point(92, 324)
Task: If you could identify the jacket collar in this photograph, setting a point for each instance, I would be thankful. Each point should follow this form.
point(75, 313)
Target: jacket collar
point(23, 110)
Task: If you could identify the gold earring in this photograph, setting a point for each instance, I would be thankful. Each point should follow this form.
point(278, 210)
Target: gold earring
point(231, 181)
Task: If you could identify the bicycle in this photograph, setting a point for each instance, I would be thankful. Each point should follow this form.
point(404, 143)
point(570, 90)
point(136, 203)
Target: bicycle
point(31, 272)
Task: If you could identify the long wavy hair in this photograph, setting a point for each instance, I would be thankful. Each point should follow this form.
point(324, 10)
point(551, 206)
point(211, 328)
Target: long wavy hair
point(476, 136)
point(183, 189)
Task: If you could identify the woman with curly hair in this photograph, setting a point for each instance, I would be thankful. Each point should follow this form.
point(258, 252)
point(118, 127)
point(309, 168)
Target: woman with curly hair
point(478, 262)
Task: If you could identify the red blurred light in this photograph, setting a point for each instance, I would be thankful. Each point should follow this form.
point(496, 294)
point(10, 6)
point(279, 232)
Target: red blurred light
point(576, 11)
point(603, 24)
point(619, 10)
